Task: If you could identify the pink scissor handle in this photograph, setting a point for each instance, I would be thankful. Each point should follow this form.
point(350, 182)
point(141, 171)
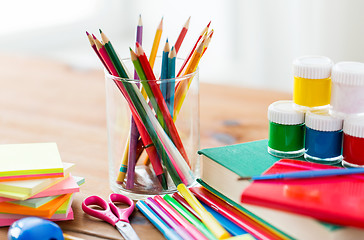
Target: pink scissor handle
point(122, 213)
point(104, 214)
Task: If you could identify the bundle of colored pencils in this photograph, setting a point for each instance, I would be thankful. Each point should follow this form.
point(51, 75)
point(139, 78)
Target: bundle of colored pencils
point(154, 106)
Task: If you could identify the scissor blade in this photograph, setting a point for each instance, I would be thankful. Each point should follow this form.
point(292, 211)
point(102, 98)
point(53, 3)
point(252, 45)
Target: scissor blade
point(126, 231)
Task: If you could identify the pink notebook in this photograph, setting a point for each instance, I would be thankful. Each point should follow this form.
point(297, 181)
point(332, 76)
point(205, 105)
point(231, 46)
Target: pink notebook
point(337, 199)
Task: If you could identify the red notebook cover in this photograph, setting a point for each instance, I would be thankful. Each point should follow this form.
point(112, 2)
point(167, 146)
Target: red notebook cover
point(336, 199)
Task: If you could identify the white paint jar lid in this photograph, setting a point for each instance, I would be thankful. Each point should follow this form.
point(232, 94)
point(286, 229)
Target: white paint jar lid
point(348, 73)
point(312, 67)
point(323, 121)
point(354, 126)
point(283, 112)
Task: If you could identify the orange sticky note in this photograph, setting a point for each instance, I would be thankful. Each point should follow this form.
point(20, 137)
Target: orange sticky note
point(46, 210)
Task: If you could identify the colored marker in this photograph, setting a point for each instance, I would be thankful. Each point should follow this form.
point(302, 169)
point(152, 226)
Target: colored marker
point(167, 232)
point(190, 217)
point(167, 219)
point(179, 218)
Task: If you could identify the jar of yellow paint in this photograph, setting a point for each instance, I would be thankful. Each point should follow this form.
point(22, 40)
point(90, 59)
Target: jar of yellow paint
point(312, 82)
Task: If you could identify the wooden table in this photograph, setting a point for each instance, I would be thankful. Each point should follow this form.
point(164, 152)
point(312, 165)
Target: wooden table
point(45, 101)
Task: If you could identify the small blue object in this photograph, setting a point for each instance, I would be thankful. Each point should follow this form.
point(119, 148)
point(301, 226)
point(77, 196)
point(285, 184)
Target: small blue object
point(33, 228)
point(323, 144)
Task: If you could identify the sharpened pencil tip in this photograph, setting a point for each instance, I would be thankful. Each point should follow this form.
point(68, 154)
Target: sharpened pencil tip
point(87, 33)
point(100, 30)
point(208, 25)
point(130, 49)
point(93, 36)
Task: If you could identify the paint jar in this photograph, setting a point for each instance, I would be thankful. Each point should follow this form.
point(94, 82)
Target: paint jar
point(142, 176)
point(347, 96)
point(323, 137)
point(312, 82)
point(353, 144)
point(286, 130)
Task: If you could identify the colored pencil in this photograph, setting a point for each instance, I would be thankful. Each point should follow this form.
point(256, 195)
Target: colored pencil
point(183, 86)
point(189, 216)
point(155, 161)
point(155, 46)
point(124, 164)
point(208, 40)
point(171, 128)
point(143, 123)
point(111, 52)
point(174, 159)
point(191, 229)
point(307, 174)
point(182, 35)
point(171, 80)
point(93, 45)
point(193, 49)
point(164, 70)
point(206, 217)
point(168, 233)
point(134, 134)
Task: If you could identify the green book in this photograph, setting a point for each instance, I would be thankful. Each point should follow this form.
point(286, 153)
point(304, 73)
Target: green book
point(223, 166)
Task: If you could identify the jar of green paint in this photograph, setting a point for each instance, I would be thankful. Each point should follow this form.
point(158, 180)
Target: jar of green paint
point(286, 130)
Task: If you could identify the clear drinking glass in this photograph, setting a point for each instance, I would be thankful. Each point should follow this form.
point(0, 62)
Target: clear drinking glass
point(119, 124)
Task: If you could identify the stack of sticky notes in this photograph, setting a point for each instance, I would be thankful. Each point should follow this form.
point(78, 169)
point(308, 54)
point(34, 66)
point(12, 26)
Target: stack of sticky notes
point(35, 182)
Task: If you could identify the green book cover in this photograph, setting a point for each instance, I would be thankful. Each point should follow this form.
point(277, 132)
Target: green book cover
point(244, 159)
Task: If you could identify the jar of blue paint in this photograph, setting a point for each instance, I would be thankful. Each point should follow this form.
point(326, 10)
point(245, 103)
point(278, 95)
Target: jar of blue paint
point(323, 139)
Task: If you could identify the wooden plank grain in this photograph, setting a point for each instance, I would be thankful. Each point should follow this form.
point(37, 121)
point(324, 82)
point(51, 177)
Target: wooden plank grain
point(46, 101)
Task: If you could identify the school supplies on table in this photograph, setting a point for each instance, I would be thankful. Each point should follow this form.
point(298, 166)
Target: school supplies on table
point(118, 217)
point(313, 196)
point(153, 112)
point(235, 161)
point(29, 161)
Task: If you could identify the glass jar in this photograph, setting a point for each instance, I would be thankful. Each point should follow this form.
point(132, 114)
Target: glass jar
point(141, 156)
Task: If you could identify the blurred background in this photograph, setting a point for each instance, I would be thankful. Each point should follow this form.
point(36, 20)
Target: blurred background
point(254, 43)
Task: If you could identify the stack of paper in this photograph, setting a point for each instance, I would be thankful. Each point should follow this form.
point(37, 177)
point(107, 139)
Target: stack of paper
point(35, 182)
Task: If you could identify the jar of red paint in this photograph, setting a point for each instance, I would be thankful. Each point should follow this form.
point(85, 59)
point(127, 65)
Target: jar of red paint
point(353, 144)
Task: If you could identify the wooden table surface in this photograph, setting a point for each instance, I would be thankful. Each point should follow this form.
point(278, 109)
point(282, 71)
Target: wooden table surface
point(45, 101)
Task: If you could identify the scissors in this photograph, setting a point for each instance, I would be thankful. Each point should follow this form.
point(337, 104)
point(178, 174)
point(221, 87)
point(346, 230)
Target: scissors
point(112, 214)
